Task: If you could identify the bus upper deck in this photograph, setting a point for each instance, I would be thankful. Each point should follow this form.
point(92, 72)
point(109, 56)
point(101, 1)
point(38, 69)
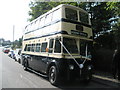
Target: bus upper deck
point(64, 19)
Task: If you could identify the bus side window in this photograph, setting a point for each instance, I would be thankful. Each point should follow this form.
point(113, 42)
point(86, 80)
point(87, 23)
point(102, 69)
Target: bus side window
point(33, 47)
point(42, 21)
point(29, 47)
point(56, 15)
point(44, 46)
point(25, 49)
point(48, 18)
point(38, 47)
point(51, 45)
point(38, 23)
point(57, 48)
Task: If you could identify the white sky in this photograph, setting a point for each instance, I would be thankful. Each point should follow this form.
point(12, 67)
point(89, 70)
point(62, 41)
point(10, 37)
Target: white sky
point(13, 12)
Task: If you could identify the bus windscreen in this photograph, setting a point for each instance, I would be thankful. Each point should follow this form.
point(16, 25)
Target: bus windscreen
point(70, 45)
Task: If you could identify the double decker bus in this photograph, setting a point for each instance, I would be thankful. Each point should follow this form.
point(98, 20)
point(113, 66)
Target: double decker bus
point(58, 44)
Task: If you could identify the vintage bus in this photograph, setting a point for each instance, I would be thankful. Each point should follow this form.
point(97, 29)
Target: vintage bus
point(58, 44)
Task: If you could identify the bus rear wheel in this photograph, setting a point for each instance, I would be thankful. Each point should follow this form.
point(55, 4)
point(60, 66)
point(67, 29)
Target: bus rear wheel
point(53, 75)
point(25, 65)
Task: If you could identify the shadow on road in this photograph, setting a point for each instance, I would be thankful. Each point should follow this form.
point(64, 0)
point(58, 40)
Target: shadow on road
point(95, 83)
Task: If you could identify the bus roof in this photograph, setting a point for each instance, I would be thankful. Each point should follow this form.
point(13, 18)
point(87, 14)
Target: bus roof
point(55, 8)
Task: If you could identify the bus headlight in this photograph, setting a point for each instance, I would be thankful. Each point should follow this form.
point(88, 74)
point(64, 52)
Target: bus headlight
point(89, 67)
point(71, 67)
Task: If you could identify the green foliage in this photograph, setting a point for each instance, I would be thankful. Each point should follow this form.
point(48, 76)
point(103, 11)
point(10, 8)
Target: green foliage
point(17, 43)
point(101, 18)
point(114, 6)
point(105, 41)
point(116, 25)
point(116, 29)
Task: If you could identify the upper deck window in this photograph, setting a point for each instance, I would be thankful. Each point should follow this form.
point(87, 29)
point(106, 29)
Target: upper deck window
point(71, 14)
point(56, 15)
point(48, 18)
point(84, 17)
point(42, 21)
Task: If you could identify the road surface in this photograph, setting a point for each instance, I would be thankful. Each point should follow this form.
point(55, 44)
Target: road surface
point(13, 76)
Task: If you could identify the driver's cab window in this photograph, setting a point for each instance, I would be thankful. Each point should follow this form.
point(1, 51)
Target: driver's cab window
point(57, 48)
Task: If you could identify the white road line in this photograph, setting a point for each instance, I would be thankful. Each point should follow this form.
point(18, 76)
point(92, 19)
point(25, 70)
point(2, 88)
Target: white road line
point(105, 78)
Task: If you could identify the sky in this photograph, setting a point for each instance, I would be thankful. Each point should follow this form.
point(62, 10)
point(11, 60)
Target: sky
point(13, 13)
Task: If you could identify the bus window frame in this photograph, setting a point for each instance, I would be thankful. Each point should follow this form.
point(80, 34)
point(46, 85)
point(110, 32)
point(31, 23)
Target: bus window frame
point(45, 48)
point(29, 46)
point(42, 21)
point(71, 9)
point(51, 14)
point(52, 46)
point(52, 20)
point(33, 46)
point(37, 47)
point(60, 45)
point(88, 22)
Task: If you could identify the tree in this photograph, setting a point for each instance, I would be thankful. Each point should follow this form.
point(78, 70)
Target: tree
point(116, 24)
point(101, 18)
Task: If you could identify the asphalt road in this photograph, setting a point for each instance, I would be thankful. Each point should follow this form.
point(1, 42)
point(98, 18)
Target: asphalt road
point(13, 76)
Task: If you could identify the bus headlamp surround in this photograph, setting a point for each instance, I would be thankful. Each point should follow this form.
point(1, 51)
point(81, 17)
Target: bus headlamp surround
point(71, 67)
point(81, 66)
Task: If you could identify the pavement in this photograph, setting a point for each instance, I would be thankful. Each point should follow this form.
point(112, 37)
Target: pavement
point(106, 78)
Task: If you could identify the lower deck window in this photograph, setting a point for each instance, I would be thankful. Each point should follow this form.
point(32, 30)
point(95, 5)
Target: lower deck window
point(33, 47)
point(85, 46)
point(28, 47)
point(38, 47)
point(51, 45)
point(25, 49)
point(57, 48)
point(44, 46)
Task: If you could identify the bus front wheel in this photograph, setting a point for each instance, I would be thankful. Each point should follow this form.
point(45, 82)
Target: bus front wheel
point(53, 75)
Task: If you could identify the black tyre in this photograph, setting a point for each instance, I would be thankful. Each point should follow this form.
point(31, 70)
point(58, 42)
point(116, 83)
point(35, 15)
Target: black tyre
point(25, 65)
point(19, 61)
point(53, 75)
point(15, 59)
point(116, 74)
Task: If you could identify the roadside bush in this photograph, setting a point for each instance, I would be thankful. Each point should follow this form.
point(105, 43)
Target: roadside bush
point(102, 59)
